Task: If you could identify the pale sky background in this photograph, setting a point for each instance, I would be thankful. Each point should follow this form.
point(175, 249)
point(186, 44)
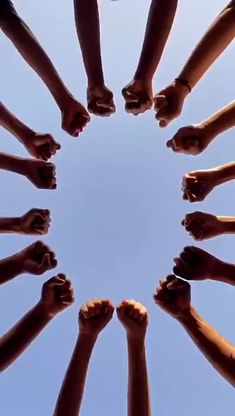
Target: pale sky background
point(116, 215)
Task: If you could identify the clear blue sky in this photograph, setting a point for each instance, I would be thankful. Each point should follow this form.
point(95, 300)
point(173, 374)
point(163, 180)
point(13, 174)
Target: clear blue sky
point(116, 215)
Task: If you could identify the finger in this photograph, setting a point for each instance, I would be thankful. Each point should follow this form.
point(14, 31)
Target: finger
point(180, 269)
point(160, 102)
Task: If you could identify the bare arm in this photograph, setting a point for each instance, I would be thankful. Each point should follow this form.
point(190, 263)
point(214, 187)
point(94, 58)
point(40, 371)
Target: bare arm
point(134, 318)
point(88, 30)
point(71, 393)
point(25, 42)
point(219, 352)
point(14, 125)
point(160, 21)
point(138, 390)
point(57, 294)
point(93, 317)
point(219, 35)
point(14, 342)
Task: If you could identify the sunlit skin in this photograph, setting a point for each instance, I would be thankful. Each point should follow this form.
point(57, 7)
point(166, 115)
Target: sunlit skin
point(169, 102)
point(39, 145)
point(74, 116)
point(194, 263)
point(56, 296)
point(202, 226)
point(199, 184)
point(173, 296)
point(94, 316)
point(138, 93)
point(39, 173)
point(36, 259)
point(34, 222)
point(193, 140)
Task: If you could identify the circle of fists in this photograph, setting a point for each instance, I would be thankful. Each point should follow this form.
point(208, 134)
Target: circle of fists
point(96, 314)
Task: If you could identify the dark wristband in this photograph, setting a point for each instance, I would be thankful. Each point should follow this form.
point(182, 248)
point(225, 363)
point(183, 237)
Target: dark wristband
point(184, 82)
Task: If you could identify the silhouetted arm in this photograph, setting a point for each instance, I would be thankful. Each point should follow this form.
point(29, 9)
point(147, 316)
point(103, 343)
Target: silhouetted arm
point(14, 342)
point(27, 45)
point(160, 21)
point(88, 30)
point(71, 393)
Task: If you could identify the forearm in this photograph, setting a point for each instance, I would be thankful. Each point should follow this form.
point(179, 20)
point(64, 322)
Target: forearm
point(225, 272)
point(160, 21)
point(221, 121)
point(88, 30)
point(71, 393)
point(29, 48)
point(224, 173)
point(9, 225)
point(11, 163)
point(216, 349)
point(10, 267)
point(14, 125)
point(138, 389)
point(13, 343)
point(217, 38)
point(227, 224)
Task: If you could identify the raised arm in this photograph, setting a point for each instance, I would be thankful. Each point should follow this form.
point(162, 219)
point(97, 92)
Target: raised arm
point(99, 97)
point(34, 222)
point(42, 174)
point(202, 226)
point(57, 295)
point(174, 297)
point(169, 102)
point(134, 318)
point(193, 140)
point(138, 93)
point(197, 185)
point(74, 115)
point(41, 146)
point(35, 259)
point(196, 264)
point(93, 317)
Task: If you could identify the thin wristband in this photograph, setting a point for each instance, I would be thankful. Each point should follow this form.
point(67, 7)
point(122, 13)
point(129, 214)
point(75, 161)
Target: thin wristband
point(184, 82)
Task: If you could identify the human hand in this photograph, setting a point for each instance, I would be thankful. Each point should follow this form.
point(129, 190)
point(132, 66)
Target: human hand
point(196, 264)
point(35, 222)
point(57, 295)
point(41, 174)
point(36, 259)
point(74, 117)
point(138, 96)
point(173, 296)
point(169, 102)
point(94, 316)
point(134, 318)
point(191, 140)
point(202, 226)
point(100, 101)
point(42, 146)
point(197, 185)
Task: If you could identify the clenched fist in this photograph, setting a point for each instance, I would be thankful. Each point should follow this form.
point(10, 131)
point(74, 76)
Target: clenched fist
point(35, 222)
point(202, 226)
point(94, 316)
point(169, 102)
point(74, 117)
point(138, 96)
point(134, 318)
point(197, 185)
point(42, 146)
point(191, 140)
point(57, 295)
point(100, 101)
point(173, 296)
point(41, 174)
point(196, 264)
point(36, 259)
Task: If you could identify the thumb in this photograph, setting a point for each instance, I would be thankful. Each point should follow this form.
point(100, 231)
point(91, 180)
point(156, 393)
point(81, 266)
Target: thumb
point(160, 102)
point(177, 284)
point(45, 264)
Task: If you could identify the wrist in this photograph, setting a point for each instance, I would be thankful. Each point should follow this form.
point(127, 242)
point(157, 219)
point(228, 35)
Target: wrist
point(136, 339)
point(27, 136)
point(88, 338)
point(227, 224)
point(186, 316)
point(43, 311)
point(224, 173)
